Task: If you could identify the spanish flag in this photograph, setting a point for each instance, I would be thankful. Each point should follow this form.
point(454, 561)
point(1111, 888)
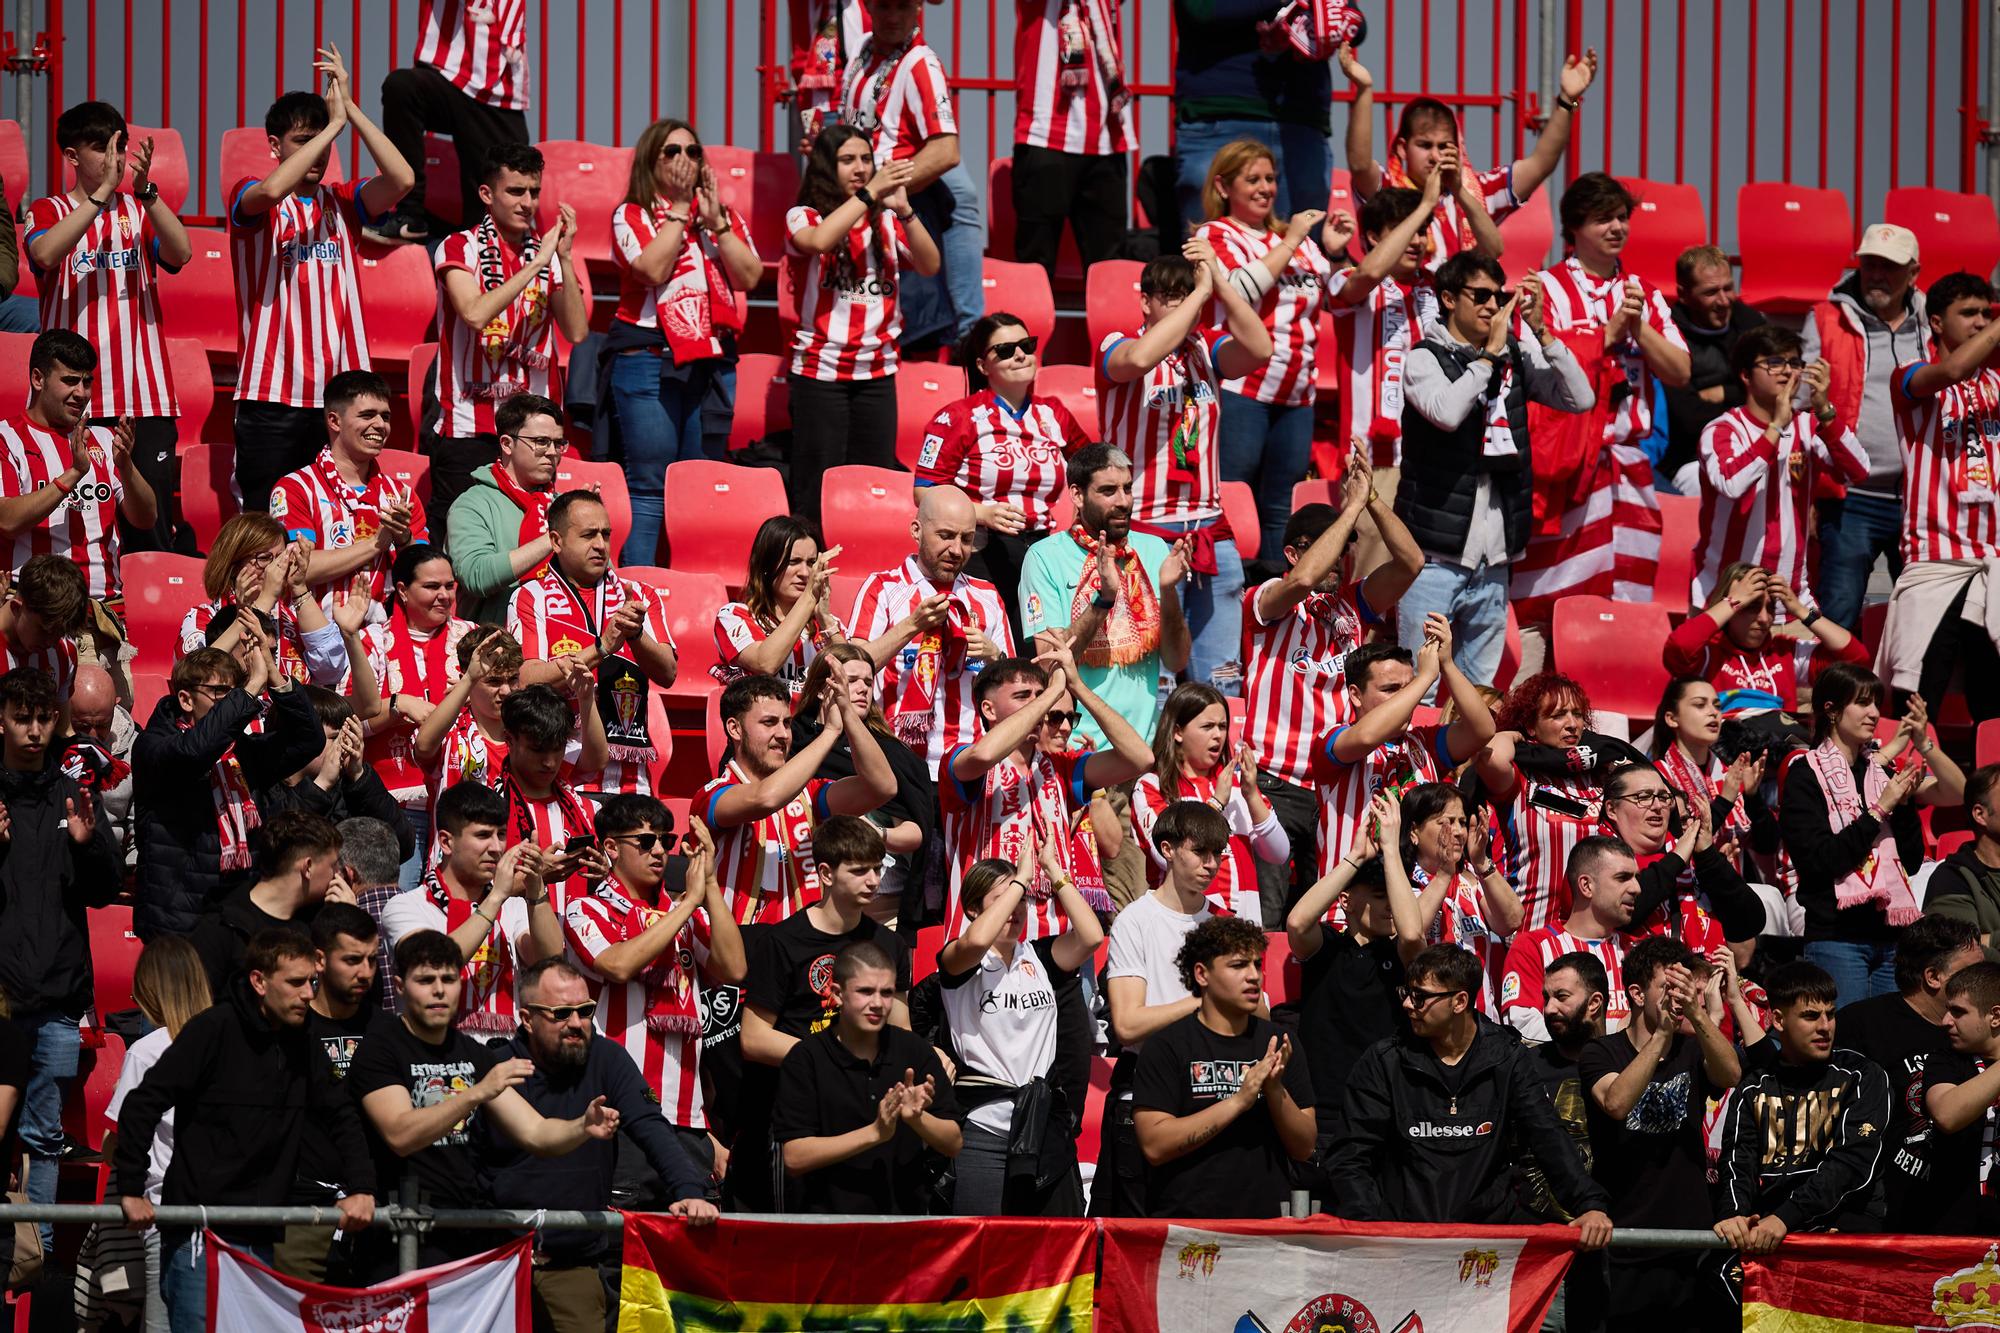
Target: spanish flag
point(1014, 1275)
point(1873, 1284)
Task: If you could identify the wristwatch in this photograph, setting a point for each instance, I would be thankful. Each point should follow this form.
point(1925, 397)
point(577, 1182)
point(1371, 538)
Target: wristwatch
point(1568, 103)
point(867, 199)
point(1811, 617)
point(1104, 601)
point(724, 228)
point(147, 195)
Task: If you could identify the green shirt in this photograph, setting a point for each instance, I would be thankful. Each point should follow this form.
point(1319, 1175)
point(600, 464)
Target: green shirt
point(1049, 577)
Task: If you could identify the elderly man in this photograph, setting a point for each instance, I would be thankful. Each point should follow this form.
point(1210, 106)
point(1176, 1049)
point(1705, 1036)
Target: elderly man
point(931, 627)
point(98, 751)
point(1711, 318)
point(1869, 325)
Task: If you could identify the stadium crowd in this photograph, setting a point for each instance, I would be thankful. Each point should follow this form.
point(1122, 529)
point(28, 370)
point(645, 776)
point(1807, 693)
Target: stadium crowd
point(423, 922)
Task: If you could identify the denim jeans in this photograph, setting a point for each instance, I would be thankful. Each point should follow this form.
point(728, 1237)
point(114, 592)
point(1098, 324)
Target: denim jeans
point(1852, 532)
point(1267, 446)
point(1859, 969)
point(184, 1279)
point(54, 1050)
point(411, 872)
point(963, 247)
point(1304, 161)
point(20, 314)
point(659, 418)
point(1474, 600)
point(1213, 605)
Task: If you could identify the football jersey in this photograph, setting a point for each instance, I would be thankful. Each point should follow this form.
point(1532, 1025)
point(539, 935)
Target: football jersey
point(1069, 81)
point(899, 97)
point(516, 351)
point(1757, 496)
point(1527, 965)
point(951, 718)
point(849, 318)
point(84, 527)
point(480, 45)
point(1949, 442)
point(1290, 309)
point(765, 867)
point(999, 456)
point(298, 296)
point(992, 817)
point(1166, 422)
point(106, 290)
point(318, 505)
point(1346, 790)
point(1294, 676)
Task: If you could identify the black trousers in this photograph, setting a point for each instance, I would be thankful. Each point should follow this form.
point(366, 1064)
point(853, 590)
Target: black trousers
point(836, 422)
point(999, 563)
point(1281, 885)
point(418, 98)
point(1961, 647)
point(156, 452)
point(1086, 190)
point(453, 461)
point(271, 440)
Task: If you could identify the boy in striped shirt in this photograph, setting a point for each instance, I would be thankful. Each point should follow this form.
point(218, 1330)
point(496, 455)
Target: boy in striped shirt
point(97, 252)
point(298, 297)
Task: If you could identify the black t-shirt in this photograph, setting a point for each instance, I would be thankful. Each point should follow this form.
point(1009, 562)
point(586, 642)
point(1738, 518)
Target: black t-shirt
point(1558, 1074)
point(825, 1090)
point(391, 1056)
point(1348, 1002)
point(1184, 1069)
point(791, 969)
point(1654, 1162)
point(1961, 1163)
point(321, 1171)
point(1886, 1030)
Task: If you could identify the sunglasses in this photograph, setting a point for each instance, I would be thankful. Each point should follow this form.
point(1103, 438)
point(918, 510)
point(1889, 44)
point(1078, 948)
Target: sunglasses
point(1420, 998)
point(1056, 717)
point(674, 150)
point(1487, 295)
point(644, 842)
point(562, 1013)
point(1005, 351)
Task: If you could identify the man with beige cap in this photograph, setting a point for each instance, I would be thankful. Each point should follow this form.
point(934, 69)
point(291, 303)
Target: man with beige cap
point(1870, 324)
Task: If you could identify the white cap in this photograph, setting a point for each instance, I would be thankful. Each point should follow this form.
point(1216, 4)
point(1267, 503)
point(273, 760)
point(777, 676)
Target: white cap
point(1886, 240)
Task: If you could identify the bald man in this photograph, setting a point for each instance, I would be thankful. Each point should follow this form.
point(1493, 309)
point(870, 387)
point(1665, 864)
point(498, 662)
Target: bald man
point(98, 753)
point(930, 627)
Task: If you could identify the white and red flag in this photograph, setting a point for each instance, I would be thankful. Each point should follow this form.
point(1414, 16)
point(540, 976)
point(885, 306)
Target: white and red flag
point(488, 1291)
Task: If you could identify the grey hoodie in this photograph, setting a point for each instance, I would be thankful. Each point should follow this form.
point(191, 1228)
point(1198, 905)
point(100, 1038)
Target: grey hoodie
point(1887, 349)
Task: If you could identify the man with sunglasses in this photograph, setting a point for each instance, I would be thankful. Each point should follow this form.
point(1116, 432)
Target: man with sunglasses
point(1603, 879)
point(497, 531)
point(572, 1068)
point(1436, 1120)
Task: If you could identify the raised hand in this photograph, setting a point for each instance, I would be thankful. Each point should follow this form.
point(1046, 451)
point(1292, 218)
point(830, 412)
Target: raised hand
point(1358, 479)
point(507, 1074)
point(600, 1119)
point(1254, 1077)
point(1175, 567)
point(565, 231)
point(1356, 72)
point(1107, 567)
point(327, 60)
point(122, 438)
point(1061, 654)
point(1817, 377)
point(1631, 312)
point(1437, 633)
point(80, 456)
point(1302, 223)
point(1503, 323)
point(1578, 73)
point(1337, 233)
point(1916, 721)
point(682, 174)
point(1530, 304)
point(1902, 786)
point(1387, 808)
point(1450, 170)
point(350, 605)
point(1748, 587)
point(293, 563)
point(888, 177)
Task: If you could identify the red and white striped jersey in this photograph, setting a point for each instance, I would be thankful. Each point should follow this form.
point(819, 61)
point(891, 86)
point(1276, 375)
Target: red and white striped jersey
point(885, 599)
point(849, 319)
point(1346, 790)
point(1449, 232)
point(1608, 545)
point(551, 823)
point(1177, 402)
point(633, 229)
point(898, 96)
point(107, 290)
point(57, 661)
point(1290, 310)
point(515, 353)
point(1576, 298)
point(765, 867)
point(317, 504)
point(551, 617)
point(466, 755)
point(993, 817)
point(996, 455)
point(480, 45)
point(486, 1004)
point(1949, 445)
point(291, 652)
point(736, 629)
point(1461, 920)
point(405, 663)
point(298, 298)
point(1233, 891)
point(656, 1016)
point(1372, 338)
point(1528, 962)
point(84, 526)
point(1532, 845)
point(1757, 496)
point(1294, 676)
point(1069, 77)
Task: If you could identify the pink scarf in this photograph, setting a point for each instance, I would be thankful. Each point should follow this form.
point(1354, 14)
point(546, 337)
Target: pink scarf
point(1879, 879)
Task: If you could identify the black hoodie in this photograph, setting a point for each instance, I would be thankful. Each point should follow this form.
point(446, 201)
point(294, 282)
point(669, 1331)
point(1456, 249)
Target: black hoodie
point(1416, 1151)
point(1806, 1143)
point(46, 882)
point(242, 1092)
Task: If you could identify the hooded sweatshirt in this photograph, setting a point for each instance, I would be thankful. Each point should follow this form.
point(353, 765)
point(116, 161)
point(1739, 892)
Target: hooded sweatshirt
point(46, 882)
point(481, 531)
point(1967, 889)
point(1805, 1143)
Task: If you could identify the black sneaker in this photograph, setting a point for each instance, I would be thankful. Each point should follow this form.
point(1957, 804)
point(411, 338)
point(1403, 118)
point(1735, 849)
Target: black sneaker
point(399, 229)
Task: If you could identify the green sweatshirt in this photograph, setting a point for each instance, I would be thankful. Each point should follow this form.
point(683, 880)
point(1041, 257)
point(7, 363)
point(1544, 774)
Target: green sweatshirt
point(481, 532)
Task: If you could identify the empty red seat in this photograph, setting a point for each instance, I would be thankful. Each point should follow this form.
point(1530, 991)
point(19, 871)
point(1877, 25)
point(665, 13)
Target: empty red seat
point(159, 588)
point(1314, 492)
point(194, 386)
point(763, 398)
point(14, 166)
point(867, 512)
point(591, 179)
point(1680, 530)
point(208, 490)
point(408, 468)
point(717, 738)
point(1594, 644)
point(689, 602)
point(399, 300)
point(1111, 300)
point(247, 155)
point(199, 302)
point(608, 480)
point(1526, 237)
point(14, 351)
point(1001, 224)
point(843, 591)
point(1795, 243)
point(441, 185)
point(1022, 290)
point(148, 688)
point(1668, 218)
point(170, 164)
point(1075, 387)
point(713, 511)
point(114, 956)
point(1954, 231)
point(923, 389)
point(1239, 506)
point(760, 186)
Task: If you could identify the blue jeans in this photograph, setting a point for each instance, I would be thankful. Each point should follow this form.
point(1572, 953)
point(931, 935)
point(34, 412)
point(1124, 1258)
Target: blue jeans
point(1213, 606)
point(1852, 532)
point(54, 1050)
point(1304, 161)
point(659, 417)
point(184, 1279)
point(1859, 970)
point(1474, 600)
point(1267, 446)
point(20, 314)
point(718, 407)
point(963, 247)
point(411, 872)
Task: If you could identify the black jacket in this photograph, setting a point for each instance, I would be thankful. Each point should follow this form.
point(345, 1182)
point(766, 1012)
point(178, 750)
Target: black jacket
point(1709, 353)
point(1968, 889)
point(350, 798)
point(1805, 1142)
point(221, 935)
point(174, 818)
point(1736, 906)
point(241, 1092)
point(46, 882)
point(1442, 468)
point(1415, 1152)
point(1822, 856)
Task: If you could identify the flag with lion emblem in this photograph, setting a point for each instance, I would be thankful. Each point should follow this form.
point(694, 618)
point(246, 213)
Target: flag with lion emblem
point(487, 1292)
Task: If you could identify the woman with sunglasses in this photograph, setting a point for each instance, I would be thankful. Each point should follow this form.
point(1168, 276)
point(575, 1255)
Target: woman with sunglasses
point(850, 233)
point(684, 259)
point(1004, 446)
point(783, 621)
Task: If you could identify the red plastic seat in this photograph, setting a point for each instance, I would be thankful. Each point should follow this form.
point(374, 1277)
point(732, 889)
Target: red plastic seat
point(14, 166)
point(247, 155)
point(1795, 243)
point(689, 602)
point(1593, 643)
point(194, 386)
point(760, 186)
point(399, 300)
point(1090, 1137)
point(923, 389)
point(1340, 199)
point(1668, 219)
point(1527, 235)
point(763, 398)
point(441, 187)
point(114, 956)
point(1680, 529)
point(608, 479)
point(170, 164)
point(409, 468)
point(843, 591)
point(1282, 978)
point(159, 589)
point(867, 512)
point(1001, 225)
point(423, 360)
point(591, 179)
point(1076, 388)
point(208, 491)
point(1314, 492)
point(14, 351)
point(1954, 231)
point(1111, 300)
point(1986, 743)
point(713, 511)
point(1239, 506)
point(199, 302)
point(148, 688)
point(717, 738)
point(1022, 290)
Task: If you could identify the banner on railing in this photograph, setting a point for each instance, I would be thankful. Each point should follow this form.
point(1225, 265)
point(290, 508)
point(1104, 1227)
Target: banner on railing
point(1874, 1284)
point(486, 1291)
point(1274, 1277)
point(970, 1275)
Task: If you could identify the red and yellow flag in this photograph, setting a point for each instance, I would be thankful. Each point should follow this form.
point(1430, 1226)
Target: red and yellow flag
point(1873, 1284)
point(1011, 1274)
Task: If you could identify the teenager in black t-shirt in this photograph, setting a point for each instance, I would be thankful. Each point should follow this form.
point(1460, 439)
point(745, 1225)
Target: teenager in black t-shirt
point(1221, 1099)
point(859, 1102)
point(1961, 1088)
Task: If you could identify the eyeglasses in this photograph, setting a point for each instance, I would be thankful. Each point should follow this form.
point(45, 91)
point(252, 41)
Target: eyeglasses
point(1056, 717)
point(214, 691)
point(645, 842)
point(1645, 798)
point(543, 444)
point(262, 558)
point(562, 1013)
point(674, 150)
point(1005, 351)
point(1774, 364)
point(1420, 998)
point(1486, 295)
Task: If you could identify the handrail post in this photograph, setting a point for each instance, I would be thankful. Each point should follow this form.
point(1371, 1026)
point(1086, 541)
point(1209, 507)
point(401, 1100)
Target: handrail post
point(407, 1248)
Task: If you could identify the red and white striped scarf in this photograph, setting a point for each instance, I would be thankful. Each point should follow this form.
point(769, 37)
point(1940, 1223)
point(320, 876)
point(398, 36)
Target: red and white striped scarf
point(235, 810)
point(672, 1003)
point(1678, 768)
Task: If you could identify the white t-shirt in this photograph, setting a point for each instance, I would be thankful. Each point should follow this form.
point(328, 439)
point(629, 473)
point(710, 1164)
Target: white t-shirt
point(143, 1055)
point(1003, 1021)
point(1145, 940)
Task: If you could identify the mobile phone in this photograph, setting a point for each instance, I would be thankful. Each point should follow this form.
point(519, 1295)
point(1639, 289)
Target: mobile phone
point(1548, 798)
point(578, 844)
